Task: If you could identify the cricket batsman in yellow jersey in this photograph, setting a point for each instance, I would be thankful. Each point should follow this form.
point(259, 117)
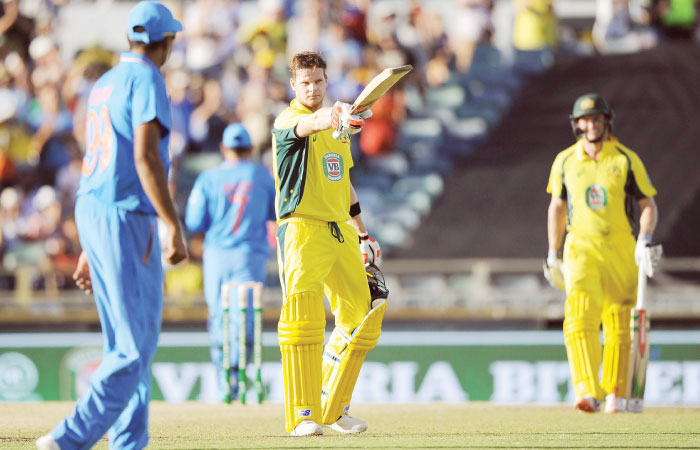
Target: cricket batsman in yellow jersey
point(318, 253)
point(595, 182)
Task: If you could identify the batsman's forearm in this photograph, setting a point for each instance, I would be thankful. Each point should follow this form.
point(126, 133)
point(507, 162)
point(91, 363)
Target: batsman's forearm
point(648, 217)
point(556, 222)
point(358, 224)
point(353, 195)
point(313, 123)
point(357, 220)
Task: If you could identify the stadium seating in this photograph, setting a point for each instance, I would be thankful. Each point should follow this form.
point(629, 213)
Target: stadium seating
point(440, 130)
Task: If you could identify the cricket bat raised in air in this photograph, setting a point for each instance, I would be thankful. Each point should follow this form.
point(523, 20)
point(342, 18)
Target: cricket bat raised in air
point(639, 350)
point(378, 87)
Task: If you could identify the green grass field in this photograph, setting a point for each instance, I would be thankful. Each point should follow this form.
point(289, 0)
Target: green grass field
point(471, 425)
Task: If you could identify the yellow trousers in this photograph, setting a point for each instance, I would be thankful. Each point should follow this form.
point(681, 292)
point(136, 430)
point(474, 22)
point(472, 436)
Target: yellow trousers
point(600, 276)
point(317, 258)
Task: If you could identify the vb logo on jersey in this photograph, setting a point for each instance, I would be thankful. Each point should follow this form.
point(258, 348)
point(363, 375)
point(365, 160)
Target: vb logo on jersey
point(333, 166)
point(596, 197)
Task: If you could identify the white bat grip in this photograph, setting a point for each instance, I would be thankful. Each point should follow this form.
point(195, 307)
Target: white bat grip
point(641, 289)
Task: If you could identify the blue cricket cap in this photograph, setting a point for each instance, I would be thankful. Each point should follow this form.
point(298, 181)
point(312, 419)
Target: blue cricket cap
point(156, 19)
point(236, 136)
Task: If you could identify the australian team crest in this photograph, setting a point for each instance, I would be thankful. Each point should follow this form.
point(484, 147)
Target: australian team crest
point(333, 166)
point(587, 103)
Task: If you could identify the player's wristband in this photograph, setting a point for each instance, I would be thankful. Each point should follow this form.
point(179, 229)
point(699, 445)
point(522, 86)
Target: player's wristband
point(363, 237)
point(355, 209)
point(644, 237)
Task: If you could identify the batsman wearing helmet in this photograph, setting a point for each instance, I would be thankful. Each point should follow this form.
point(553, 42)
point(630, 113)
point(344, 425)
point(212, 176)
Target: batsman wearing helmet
point(594, 184)
point(319, 253)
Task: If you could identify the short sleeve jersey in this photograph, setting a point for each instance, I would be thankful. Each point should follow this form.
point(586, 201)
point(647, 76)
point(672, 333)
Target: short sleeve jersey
point(600, 194)
point(231, 204)
point(130, 94)
point(311, 173)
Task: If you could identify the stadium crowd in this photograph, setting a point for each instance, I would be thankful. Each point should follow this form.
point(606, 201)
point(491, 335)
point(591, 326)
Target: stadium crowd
point(231, 65)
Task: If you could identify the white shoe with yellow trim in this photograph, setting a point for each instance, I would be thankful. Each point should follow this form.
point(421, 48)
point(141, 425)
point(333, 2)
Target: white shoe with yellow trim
point(614, 404)
point(348, 425)
point(307, 428)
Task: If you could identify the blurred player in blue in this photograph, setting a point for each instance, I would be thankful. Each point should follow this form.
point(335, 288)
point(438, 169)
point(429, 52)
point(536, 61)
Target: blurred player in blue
point(123, 189)
point(232, 204)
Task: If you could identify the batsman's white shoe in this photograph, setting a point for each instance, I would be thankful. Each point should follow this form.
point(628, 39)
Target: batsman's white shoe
point(348, 424)
point(587, 404)
point(614, 404)
point(307, 428)
point(47, 443)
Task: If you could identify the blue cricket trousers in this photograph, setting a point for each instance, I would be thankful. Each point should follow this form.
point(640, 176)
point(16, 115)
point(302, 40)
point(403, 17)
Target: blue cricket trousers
point(127, 278)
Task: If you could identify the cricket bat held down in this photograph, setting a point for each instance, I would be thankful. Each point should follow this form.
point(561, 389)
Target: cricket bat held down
point(639, 349)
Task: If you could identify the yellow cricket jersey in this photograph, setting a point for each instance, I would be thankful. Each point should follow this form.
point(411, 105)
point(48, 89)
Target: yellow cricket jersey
point(600, 194)
point(311, 173)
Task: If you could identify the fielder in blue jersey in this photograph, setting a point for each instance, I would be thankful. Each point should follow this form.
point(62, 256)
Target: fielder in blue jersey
point(232, 204)
point(122, 190)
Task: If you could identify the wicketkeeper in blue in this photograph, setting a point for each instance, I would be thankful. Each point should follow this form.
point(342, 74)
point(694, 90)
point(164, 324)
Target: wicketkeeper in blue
point(122, 191)
point(232, 204)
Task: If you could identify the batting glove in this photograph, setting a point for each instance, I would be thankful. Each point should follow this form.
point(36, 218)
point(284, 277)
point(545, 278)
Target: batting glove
point(553, 270)
point(344, 123)
point(647, 254)
point(366, 114)
point(371, 254)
